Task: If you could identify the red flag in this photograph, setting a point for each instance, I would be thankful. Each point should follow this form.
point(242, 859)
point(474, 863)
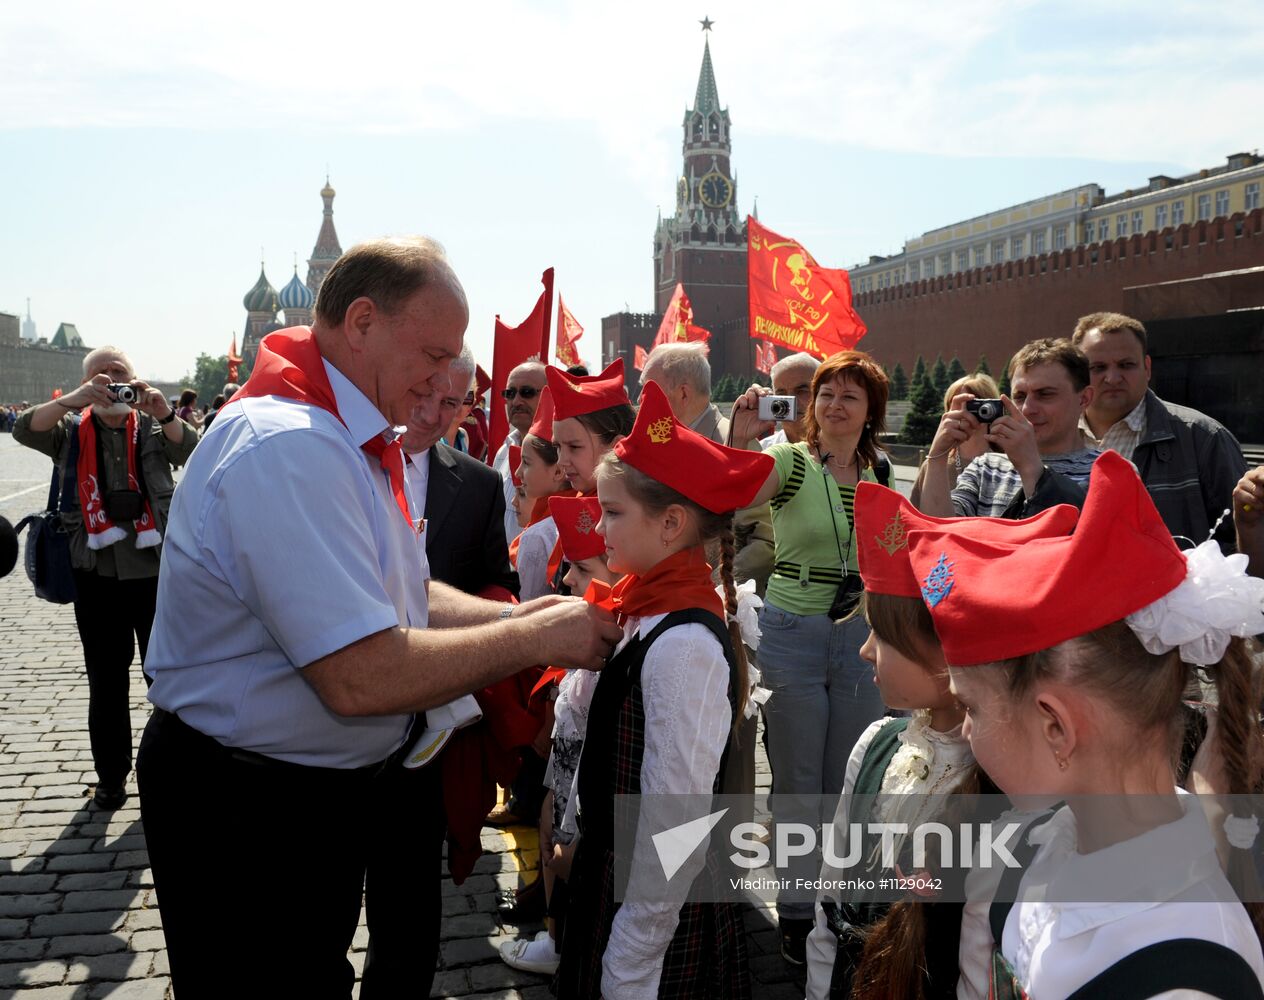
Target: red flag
point(233, 360)
point(528, 341)
point(568, 333)
point(794, 301)
point(765, 357)
point(677, 325)
point(640, 358)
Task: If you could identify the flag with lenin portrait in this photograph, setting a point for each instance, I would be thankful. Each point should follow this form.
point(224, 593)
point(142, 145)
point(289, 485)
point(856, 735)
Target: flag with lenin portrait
point(794, 302)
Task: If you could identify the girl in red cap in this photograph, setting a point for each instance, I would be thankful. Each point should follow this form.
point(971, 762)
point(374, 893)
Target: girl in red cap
point(661, 715)
point(1076, 699)
point(541, 478)
point(576, 519)
point(590, 413)
point(861, 947)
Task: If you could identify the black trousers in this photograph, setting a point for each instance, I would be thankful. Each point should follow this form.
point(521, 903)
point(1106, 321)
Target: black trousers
point(526, 794)
point(403, 887)
point(114, 616)
point(258, 866)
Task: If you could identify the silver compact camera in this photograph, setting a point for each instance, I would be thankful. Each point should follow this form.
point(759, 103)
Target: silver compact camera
point(985, 410)
point(121, 391)
point(778, 408)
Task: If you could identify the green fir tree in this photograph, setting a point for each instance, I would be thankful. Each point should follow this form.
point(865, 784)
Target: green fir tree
point(923, 417)
point(899, 383)
point(919, 372)
point(939, 376)
point(982, 367)
point(1004, 382)
point(956, 369)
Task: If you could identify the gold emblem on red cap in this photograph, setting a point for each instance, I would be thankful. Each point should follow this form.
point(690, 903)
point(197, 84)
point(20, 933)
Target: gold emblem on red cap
point(584, 524)
point(660, 431)
point(895, 536)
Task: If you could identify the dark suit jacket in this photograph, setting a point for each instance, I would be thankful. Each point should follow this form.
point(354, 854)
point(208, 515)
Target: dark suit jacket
point(465, 523)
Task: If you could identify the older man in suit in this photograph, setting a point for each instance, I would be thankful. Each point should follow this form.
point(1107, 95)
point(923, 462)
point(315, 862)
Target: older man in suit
point(465, 545)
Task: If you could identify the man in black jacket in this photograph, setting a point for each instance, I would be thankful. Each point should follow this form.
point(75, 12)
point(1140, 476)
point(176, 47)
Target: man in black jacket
point(464, 506)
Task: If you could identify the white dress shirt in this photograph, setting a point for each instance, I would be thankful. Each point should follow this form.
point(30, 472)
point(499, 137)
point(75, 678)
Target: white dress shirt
point(501, 464)
point(284, 544)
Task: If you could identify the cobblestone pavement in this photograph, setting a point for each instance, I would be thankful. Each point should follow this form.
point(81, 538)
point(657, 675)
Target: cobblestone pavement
point(78, 913)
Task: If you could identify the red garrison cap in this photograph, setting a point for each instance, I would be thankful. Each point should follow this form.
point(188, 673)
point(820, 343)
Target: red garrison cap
point(995, 601)
point(884, 519)
point(574, 395)
point(515, 460)
point(576, 519)
point(711, 475)
point(542, 426)
point(483, 380)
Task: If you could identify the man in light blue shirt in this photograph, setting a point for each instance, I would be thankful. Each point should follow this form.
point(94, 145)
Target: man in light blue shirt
point(291, 645)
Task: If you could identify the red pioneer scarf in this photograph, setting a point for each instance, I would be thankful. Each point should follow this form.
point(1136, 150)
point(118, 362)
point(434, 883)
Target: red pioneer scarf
point(289, 364)
point(599, 593)
point(101, 530)
point(677, 583)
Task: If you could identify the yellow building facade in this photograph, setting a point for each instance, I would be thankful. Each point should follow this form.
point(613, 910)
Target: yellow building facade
point(1078, 216)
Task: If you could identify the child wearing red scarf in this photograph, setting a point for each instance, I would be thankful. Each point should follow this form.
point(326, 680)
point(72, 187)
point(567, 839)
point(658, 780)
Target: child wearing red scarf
point(1075, 702)
point(590, 414)
point(662, 713)
point(576, 519)
point(541, 478)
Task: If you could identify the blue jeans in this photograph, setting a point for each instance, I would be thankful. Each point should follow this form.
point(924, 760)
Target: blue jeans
point(823, 697)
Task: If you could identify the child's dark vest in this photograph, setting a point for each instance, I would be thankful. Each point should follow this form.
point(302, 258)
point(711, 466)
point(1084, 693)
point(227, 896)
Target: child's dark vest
point(707, 955)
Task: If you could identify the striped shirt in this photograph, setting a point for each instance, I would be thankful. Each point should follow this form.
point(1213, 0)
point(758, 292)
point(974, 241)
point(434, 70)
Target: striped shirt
point(988, 485)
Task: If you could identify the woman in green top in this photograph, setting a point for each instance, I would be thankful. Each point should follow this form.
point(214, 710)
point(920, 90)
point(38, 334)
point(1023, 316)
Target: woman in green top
point(823, 695)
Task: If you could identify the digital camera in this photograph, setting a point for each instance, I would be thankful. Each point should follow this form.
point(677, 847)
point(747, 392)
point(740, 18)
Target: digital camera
point(985, 410)
point(121, 391)
point(778, 408)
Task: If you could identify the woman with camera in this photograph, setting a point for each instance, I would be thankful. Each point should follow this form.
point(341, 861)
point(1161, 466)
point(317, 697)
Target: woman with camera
point(957, 456)
point(823, 695)
point(114, 462)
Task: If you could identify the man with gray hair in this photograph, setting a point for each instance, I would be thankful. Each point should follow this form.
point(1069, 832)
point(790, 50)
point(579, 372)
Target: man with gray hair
point(305, 674)
point(230, 388)
point(114, 460)
point(792, 376)
point(522, 397)
point(683, 372)
point(463, 387)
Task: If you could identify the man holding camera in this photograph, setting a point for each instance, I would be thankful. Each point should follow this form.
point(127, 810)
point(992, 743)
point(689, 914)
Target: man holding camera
point(1044, 458)
point(115, 440)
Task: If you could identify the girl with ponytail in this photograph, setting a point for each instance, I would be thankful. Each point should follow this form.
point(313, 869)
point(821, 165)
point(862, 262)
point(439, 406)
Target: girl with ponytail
point(661, 715)
point(1070, 657)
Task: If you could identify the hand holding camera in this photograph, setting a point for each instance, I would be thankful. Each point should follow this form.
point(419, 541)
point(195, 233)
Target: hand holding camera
point(778, 408)
point(1016, 437)
point(747, 421)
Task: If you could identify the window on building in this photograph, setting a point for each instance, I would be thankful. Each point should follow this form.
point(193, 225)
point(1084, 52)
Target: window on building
point(1059, 237)
point(945, 263)
point(1038, 242)
point(1138, 222)
point(915, 271)
point(1204, 207)
point(1103, 230)
point(1222, 203)
point(1017, 246)
point(1121, 226)
point(1160, 216)
point(963, 260)
point(1178, 212)
point(928, 267)
point(998, 251)
point(1252, 196)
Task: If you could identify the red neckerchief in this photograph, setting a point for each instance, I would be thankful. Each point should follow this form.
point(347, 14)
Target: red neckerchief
point(599, 594)
point(102, 531)
point(289, 364)
point(677, 583)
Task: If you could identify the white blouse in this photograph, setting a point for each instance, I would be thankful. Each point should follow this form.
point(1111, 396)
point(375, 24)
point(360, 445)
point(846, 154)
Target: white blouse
point(927, 762)
point(537, 544)
point(684, 690)
point(1056, 947)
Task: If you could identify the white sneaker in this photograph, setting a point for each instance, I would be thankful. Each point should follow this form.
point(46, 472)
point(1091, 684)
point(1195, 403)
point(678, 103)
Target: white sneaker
point(538, 955)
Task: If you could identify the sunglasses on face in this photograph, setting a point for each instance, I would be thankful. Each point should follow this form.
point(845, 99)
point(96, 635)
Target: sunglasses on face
point(468, 400)
point(526, 392)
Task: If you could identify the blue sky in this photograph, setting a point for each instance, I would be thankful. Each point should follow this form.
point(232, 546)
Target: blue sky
point(148, 153)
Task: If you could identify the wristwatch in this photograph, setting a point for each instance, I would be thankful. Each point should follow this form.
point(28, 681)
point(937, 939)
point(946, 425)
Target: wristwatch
point(506, 611)
point(168, 418)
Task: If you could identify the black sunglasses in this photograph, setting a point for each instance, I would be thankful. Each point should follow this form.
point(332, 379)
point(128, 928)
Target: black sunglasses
point(469, 399)
point(526, 392)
